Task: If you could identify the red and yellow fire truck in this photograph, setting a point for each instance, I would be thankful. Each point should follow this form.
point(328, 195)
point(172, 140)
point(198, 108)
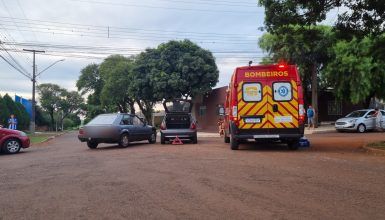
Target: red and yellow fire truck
point(264, 102)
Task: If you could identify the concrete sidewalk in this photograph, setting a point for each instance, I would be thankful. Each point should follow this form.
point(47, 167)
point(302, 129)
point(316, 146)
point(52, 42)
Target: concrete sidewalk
point(323, 128)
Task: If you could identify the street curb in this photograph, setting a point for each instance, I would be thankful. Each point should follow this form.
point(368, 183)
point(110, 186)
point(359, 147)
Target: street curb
point(375, 151)
point(49, 138)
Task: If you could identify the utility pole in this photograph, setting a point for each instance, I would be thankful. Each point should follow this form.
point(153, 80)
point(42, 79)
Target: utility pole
point(32, 125)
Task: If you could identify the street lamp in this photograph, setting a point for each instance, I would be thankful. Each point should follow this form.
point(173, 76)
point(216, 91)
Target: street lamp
point(57, 61)
point(32, 126)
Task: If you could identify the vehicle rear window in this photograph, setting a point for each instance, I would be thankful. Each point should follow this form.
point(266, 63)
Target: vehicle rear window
point(252, 92)
point(103, 120)
point(356, 114)
point(282, 91)
point(178, 106)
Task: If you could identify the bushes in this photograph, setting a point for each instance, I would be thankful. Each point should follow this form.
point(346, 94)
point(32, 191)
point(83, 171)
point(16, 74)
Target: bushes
point(8, 107)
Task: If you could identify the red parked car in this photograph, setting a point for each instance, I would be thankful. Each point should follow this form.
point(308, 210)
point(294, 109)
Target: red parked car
point(11, 141)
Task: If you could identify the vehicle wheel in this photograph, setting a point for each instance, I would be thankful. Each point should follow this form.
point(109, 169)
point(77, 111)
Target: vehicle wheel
point(226, 138)
point(293, 145)
point(124, 140)
point(152, 139)
point(92, 144)
point(11, 146)
point(234, 144)
point(194, 139)
point(162, 140)
point(361, 128)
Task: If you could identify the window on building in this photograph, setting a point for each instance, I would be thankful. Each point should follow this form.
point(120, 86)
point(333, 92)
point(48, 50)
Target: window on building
point(334, 108)
point(202, 110)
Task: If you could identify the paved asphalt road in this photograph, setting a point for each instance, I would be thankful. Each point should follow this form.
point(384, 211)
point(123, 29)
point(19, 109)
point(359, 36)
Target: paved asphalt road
point(63, 179)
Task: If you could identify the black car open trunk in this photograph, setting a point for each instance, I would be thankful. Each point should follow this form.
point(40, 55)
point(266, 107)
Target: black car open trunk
point(178, 121)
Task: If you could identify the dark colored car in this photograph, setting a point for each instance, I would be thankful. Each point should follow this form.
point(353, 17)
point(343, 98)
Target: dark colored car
point(11, 141)
point(178, 122)
point(116, 128)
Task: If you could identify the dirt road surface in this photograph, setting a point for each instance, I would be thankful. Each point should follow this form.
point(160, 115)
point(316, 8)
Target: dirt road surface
point(63, 179)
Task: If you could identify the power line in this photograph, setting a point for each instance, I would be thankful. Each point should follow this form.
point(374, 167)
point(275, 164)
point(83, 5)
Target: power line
point(22, 11)
point(165, 8)
point(213, 2)
point(9, 37)
point(15, 67)
point(14, 60)
point(6, 8)
point(152, 39)
point(73, 26)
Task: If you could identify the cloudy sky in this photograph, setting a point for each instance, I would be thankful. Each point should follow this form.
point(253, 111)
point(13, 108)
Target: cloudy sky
point(86, 31)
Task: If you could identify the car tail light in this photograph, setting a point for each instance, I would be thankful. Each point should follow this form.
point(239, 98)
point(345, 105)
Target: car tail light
point(193, 126)
point(81, 131)
point(163, 126)
point(301, 114)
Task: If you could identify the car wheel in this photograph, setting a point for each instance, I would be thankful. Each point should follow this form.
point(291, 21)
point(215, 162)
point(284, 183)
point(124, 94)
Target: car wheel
point(152, 139)
point(234, 144)
point(162, 139)
point(11, 146)
point(124, 140)
point(293, 144)
point(92, 144)
point(361, 128)
point(195, 139)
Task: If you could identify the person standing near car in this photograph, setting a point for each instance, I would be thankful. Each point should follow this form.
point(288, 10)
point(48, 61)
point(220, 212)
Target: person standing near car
point(378, 116)
point(310, 117)
point(12, 122)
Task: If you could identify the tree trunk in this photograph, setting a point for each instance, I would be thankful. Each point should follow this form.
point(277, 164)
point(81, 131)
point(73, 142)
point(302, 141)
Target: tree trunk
point(52, 121)
point(146, 109)
point(314, 93)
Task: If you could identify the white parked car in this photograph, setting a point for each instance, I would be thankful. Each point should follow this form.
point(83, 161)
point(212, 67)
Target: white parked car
point(360, 120)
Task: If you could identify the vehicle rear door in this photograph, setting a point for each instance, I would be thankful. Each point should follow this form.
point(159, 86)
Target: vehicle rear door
point(141, 130)
point(252, 105)
point(126, 124)
point(283, 105)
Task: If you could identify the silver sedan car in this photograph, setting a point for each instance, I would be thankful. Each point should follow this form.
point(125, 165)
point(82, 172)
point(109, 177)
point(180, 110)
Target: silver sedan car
point(360, 120)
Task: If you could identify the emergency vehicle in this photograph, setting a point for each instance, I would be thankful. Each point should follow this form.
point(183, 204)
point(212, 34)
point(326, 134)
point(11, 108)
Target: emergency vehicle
point(264, 102)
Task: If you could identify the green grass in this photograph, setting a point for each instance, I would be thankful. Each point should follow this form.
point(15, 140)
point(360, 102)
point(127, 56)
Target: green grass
point(40, 137)
point(378, 145)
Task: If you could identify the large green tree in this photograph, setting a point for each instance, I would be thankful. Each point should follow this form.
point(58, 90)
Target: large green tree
point(361, 20)
point(4, 113)
point(49, 99)
point(354, 73)
point(116, 72)
point(90, 83)
point(186, 70)
point(69, 104)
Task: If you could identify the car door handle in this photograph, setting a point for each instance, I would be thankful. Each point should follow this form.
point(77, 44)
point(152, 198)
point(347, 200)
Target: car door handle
point(275, 108)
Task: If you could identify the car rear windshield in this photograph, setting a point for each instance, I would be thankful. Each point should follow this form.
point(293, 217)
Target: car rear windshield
point(178, 106)
point(103, 120)
point(356, 114)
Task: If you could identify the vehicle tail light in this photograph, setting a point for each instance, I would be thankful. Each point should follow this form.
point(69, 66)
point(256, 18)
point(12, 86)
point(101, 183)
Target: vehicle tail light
point(81, 131)
point(163, 126)
point(193, 126)
point(301, 114)
point(234, 112)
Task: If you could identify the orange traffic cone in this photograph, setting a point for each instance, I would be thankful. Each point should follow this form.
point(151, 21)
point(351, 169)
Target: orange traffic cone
point(177, 141)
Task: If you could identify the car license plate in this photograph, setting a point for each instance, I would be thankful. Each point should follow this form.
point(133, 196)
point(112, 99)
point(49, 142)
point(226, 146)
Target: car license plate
point(252, 120)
